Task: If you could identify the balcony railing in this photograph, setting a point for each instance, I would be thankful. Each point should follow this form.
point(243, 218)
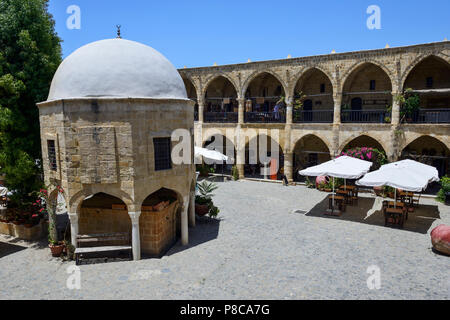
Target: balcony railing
point(315, 116)
point(265, 117)
point(365, 116)
point(222, 117)
point(430, 116)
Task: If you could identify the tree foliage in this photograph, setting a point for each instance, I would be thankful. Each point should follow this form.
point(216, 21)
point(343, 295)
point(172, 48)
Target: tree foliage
point(30, 53)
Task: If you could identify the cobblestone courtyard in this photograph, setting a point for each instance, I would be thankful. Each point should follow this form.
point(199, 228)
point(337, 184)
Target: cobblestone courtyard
point(260, 249)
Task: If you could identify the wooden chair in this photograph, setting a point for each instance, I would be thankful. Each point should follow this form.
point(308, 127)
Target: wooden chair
point(415, 199)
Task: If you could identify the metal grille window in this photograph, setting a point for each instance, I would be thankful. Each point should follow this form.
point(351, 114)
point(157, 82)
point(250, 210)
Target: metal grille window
point(430, 82)
point(52, 154)
point(162, 150)
point(372, 85)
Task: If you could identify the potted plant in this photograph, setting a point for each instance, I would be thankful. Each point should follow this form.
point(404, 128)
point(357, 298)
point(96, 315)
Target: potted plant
point(50, 206)
point(409, 105)
point(203, 201)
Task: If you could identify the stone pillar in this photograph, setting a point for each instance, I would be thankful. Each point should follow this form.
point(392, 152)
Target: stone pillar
point(289, 109)
point(395, 117)
point(184, 223)
point(288, 166)
point(192, 209)
point(241, 110)
point(337, 108)
point(73, 217)
point(201, 108)
point(135, 236)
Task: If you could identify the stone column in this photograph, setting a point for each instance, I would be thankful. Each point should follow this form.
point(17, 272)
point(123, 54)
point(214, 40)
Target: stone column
point(288, 165)
point(192, 209)
point(241, 110)
point(135, 236)
point(184, 223)
point(337, 108)
point(201, 108)
point(395, 117)
point(73, 217)
point(289, 109)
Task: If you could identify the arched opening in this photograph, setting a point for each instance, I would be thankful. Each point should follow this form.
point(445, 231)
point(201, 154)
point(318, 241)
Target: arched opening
point(367, 95)
point(225, 146)
point(102, 213)
point(316, 89)
point(430, 79)
point(264, 100)
point(309, 151)
point(263, 164)
point(220, 101)
point(192, 94)
point(367, 148)
point(430, 151)
point(159, 222)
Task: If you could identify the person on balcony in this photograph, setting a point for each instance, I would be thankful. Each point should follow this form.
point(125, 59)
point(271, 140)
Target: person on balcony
point(276, 112)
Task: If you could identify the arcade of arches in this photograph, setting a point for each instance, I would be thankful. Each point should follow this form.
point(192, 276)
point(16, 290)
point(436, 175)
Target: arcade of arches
point(347, 101)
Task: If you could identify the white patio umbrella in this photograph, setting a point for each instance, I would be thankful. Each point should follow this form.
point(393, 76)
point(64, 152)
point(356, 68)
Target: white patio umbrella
point(342, 167)
point(210, 154)
point(408, 175)
point(429, 171)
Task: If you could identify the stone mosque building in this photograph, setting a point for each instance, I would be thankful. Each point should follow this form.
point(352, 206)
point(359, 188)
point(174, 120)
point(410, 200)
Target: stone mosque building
point(113, 105)
point(106, 139)
point(349, 102)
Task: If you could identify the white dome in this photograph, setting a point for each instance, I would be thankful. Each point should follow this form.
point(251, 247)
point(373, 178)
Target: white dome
point(116, 68)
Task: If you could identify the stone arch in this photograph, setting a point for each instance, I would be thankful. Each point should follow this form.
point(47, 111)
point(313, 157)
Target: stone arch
point(256, 74)
point(228, 147)
point(357, 65)
point(309, 150)
point(192, 93)
point(252, 156)
point(417, 61)
point(429, 150)
point(160, 221)
point(375, 142)
point(214, 77)
point(77, 199)
point(191, 88)
point(299, 75)
point(103, 213)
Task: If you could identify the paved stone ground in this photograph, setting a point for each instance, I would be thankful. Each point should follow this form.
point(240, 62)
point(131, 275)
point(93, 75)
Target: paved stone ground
point(260, 249)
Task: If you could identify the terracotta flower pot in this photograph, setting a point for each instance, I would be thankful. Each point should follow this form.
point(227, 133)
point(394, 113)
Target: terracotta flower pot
point(201, 209)
point(57, 249)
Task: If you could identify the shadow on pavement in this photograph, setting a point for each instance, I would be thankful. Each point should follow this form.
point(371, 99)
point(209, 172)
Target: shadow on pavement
point(8, 248)
point(206, 229)
point(368, 211)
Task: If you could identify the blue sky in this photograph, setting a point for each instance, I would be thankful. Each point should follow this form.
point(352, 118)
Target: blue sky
point(200, 32)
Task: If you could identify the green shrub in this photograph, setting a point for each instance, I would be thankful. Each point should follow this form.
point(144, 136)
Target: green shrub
point(445, 187)
point(235, 173)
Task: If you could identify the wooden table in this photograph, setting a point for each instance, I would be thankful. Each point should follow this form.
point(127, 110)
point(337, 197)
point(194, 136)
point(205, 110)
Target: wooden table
point(339, 200)
point(353, 190)
point(394, 217)
point(347, 194)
